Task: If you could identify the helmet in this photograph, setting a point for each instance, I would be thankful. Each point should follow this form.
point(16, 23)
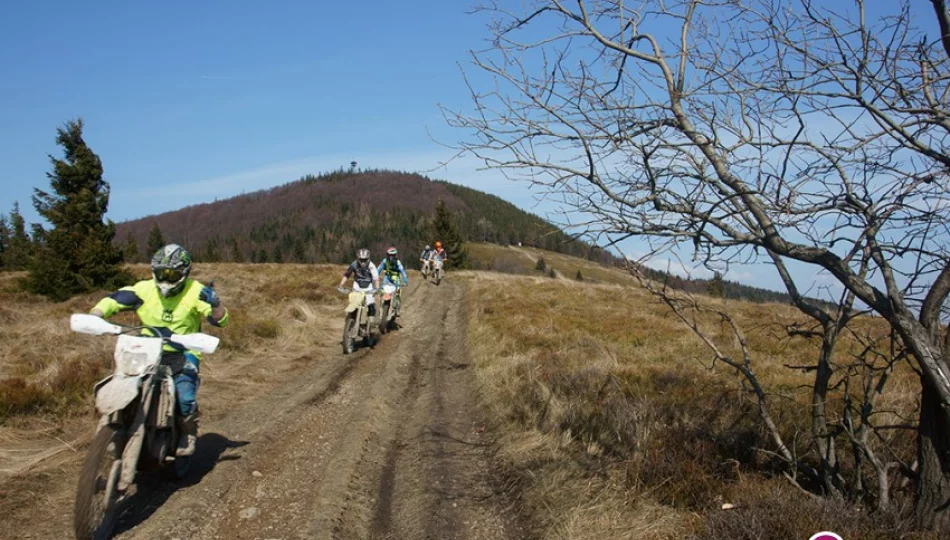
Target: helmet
point(363, 256)
point(392, 251)
point(428, 247)
point(438, 245)
point(170, 268)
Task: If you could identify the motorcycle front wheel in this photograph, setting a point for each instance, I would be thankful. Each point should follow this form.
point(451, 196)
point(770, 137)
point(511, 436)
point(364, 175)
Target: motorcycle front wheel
point(97, 494)
point(384, 321)
point(348, 333)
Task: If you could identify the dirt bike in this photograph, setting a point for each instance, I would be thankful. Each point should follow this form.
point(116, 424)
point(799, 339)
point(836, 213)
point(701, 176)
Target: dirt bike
point(138, 429)
point(357, 325)
point(438, 273)
point(390, 305)
point(426, 268)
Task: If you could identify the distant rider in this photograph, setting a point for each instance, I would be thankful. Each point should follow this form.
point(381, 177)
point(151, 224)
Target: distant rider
point(365, 278)
point(426, 254)
point(438, 252)
point(424, 263)
point(173, 303)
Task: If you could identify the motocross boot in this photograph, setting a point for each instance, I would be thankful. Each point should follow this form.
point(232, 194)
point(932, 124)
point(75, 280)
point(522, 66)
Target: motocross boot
point(188, 437)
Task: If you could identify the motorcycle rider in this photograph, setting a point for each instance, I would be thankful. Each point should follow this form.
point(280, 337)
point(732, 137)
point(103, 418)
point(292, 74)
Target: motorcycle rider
point(438, 252)
point(365, 278)
point(424, 259)
point(173, 303)
point(426, 253)
point(392, 270)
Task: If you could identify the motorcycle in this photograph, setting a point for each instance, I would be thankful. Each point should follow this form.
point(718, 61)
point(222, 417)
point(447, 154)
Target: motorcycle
point(437, 272)
point(138, 428)
point(356, 325)
point(426, 268)
point(391, 303)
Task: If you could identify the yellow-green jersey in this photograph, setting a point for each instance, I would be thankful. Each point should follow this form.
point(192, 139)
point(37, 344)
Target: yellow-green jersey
point(180, 314)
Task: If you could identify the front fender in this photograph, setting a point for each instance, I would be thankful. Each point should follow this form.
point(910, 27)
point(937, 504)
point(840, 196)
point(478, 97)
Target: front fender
point(356, 301)
point(117, 393)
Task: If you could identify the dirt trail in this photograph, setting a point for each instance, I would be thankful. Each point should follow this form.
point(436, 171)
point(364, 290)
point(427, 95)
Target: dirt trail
point(382, 444)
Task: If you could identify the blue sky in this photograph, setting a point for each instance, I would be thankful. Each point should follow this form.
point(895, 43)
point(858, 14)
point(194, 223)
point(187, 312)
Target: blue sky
point(186, 102)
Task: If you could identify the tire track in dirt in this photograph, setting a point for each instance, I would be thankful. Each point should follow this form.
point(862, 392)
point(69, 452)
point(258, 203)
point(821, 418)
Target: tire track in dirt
point(439, 472)
point(381, 444)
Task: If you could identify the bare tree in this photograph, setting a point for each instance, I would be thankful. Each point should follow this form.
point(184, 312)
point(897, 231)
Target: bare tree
point(746, 129)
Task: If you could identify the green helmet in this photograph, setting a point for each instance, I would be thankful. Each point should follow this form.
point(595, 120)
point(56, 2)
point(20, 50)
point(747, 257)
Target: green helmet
point(170, 268)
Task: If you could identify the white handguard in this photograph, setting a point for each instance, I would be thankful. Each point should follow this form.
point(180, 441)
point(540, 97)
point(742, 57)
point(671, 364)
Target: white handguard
point(90, 324)
point(197, 342)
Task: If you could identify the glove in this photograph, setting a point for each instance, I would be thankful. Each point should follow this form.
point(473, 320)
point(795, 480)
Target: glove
point(209, 295)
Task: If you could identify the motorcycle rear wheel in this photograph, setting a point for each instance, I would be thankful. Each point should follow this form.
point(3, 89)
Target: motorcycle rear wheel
point(97, 494)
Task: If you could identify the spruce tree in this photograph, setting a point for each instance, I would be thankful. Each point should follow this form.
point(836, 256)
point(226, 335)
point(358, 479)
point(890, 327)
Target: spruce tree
point(717, 288)
point(130, 251)
point(235, 250)
point(155, 240)
point(444, 227)
point(4, 240)
point(76, 254)
point(19, 247)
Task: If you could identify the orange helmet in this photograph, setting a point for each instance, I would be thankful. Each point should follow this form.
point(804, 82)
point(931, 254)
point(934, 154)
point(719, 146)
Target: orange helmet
point(438, 245)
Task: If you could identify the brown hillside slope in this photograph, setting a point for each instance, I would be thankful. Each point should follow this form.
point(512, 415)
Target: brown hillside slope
point(316, 203)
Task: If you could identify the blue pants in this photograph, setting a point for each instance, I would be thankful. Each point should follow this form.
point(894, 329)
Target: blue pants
point(186, 386)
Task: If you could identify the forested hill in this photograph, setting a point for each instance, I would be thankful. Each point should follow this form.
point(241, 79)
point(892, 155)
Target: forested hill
point(327, 218)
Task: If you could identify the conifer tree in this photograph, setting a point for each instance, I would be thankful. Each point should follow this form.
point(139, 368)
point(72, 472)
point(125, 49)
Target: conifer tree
point(18, 248)
point(445, 228)
point(717, 287)
point(236, 255)
point(155, 240)
point(130, 251)
point(4, 240)
point(76, 254)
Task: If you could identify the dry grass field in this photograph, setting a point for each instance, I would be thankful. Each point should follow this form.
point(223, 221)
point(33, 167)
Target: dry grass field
point(618, 425)
point(613, 422)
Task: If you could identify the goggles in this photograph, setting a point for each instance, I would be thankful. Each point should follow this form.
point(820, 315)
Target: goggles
point(168, 275)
